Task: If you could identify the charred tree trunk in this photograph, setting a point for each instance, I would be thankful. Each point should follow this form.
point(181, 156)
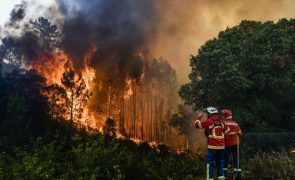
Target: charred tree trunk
point(110, 102)
point(156, 121)
point(134, 110)
point(122, 112)
point(151, 115)
point(142, 113)
point(72, 106)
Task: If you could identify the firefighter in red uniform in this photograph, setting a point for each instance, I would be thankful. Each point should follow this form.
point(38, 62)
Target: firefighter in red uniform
point(215, 130)
point(232, 143)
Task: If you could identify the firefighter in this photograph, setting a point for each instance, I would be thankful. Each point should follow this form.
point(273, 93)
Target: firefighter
point(232, 143)
point(215, 129)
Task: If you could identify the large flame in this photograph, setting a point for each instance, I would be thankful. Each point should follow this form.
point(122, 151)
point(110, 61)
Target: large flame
point(88, 72)
point(128, 90)
point(52, 68)
point(137, 105)
point(91, 119)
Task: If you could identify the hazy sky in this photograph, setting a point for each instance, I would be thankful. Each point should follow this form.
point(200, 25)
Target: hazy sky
point(7, 5)
point(187, 24)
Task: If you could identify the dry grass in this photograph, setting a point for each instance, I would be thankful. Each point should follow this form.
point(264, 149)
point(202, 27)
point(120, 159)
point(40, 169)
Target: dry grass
point(276, 165)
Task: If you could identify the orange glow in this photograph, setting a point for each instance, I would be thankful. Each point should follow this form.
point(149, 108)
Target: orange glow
point(88, 72)
point(88, 75)
point(127, 105)
point(52, 67)
point(128, 91)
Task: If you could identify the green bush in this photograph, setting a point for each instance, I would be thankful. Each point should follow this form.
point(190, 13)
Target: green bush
point(96, 156)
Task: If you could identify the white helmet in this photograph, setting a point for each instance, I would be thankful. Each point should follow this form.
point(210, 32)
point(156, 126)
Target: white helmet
point(211, 110)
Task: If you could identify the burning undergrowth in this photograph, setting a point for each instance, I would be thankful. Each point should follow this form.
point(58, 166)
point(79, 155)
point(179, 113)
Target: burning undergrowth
point(97, 65)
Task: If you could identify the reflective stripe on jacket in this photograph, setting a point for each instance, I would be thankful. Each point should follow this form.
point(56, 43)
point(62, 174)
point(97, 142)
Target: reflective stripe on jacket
point(231, 137)
point(215, 129)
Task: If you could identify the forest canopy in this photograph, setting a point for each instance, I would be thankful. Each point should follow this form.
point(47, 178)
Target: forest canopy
point(251, 69)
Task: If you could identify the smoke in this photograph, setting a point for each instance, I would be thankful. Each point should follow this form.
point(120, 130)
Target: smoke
point(183, 122)
point(14, 25)
point(120, 29)
point(18, 13)
point(172, 29)
point(124, 30)
point(164, 28)
point(30, 46)
point(186, 25)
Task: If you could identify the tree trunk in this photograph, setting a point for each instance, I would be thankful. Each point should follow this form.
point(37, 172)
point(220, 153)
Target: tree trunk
point(110, 101)
point(142, 111)
point(134, 110)
point(72, 106)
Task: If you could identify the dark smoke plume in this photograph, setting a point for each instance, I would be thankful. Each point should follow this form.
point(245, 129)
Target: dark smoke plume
point(18, 12)
point(121, 29)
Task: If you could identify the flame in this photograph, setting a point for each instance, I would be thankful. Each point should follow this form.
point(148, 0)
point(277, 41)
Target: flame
point(88, 72)
point(292, 151)
point(52, 67)
point(140, 54)
point(137, 141)
point(88, 75)
point(128, 91)
point(129, 83)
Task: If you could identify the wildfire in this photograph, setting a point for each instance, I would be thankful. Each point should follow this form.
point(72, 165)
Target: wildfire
point(88, 72)
point(129, 83)
point(131, 101)
point(51, 67)
point(128, 91)
point(88, 75)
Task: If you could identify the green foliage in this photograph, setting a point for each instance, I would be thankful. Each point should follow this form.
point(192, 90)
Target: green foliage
point(18, 121)
point(249, 68)
point(96, 157)
point(23, 109)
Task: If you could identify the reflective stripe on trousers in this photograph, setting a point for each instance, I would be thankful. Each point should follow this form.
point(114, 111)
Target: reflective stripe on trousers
point(237, 170)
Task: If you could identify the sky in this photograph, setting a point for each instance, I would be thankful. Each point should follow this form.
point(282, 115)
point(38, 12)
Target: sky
point(7, 5)
point(5, 8)
point(187, 24)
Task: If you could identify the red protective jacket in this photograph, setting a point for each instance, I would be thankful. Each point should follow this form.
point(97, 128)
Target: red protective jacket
point(215, 129)
point(235, 130)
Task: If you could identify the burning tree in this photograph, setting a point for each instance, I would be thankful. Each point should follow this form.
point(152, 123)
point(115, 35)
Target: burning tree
point(57, 101)
point(109, 127)
point(86, 58)
point(47, 32)
point(76, 95)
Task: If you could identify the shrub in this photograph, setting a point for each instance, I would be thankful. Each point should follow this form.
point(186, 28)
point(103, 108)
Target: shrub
point(275, 165)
